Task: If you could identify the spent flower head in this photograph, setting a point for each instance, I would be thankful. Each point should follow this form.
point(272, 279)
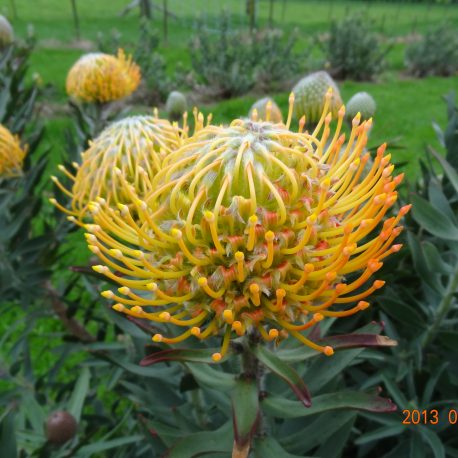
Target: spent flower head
point(11, 154)
point(252, 227)
point(99, 77)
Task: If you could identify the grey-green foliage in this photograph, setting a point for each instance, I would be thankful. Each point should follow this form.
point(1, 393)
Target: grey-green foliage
point(436, 53)
point(420, 309)
point(354, 50)
point(18, 98)
point(232, 62)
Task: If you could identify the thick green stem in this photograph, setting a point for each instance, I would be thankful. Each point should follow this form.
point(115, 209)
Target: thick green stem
point(442, 309)
point(253, 370)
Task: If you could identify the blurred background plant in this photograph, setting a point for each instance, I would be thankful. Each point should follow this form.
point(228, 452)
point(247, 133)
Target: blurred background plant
point(435, 53)
point(353, 49)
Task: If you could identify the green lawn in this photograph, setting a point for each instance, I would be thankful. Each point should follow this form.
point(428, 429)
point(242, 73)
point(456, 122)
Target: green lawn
point(406, 107)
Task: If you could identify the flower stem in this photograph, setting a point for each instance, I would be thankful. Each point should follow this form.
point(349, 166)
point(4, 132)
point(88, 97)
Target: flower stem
point(442, 309)
point(250, 369)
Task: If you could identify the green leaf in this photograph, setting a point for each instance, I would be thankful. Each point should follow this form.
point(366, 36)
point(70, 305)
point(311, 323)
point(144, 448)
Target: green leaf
point(327, 423)
point(287, 373)
point(102, 446)
point(394, 391)
point(334, 448)
point(302, 353)
point(268, 447)
point(8, 446)
point(213, 378)
point(245, 410)
point(180, 354)
point(76, 402)
point(433, 440)
point(402, 312)
point(432, 382)
point(451, 173)
point(202, 443)
point(432, 220)
point(434, 260)
point(284, 408)
point(152, 372)
point(380, 433)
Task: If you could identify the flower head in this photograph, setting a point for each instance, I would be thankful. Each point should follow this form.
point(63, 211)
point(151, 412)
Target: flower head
point(6, 32)
point(11, 154)
point(98, 77)
point(253, 226)
point(132, 150)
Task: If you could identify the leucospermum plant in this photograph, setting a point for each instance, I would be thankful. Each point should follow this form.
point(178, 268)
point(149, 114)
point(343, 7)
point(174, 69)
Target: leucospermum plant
point(12, 154)
point(246, 234)
point(252, 228)
point(131, 149)
point(101, 78)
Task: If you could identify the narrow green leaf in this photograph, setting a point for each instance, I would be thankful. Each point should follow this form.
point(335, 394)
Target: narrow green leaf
point(302, 353)
point(433, 440)
point(76, 402)
point(451, 173)
point(180, 354)
point(327, 423)
point(211, 377)
point(203, 443)
point(432, 220)
point(394, 391)
point(334, 448)
point(245, 410)
point(102, 446)
point(380, 433)
point(8, 446)
point(432, 382)
point(268, 447)
point(287, 373)
point(284, 408)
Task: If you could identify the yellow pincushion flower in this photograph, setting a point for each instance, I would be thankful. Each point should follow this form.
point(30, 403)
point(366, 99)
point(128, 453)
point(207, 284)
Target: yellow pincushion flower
point(99, 77)
point(253, 227)
point(11, 154)
point(133, 147)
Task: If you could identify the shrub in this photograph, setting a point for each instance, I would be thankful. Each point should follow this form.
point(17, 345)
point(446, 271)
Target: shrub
point(231, 63)
point(435, 54)
point(354, 50)
point(156, 82)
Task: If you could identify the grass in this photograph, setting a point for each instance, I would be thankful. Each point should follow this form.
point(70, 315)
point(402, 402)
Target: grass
point(406, 107)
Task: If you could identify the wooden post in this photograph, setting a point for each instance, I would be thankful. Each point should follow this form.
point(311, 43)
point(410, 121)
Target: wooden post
point(76, 20)
point(165, 20)
point(271, 13)
point(13, 9)
point(145, 8)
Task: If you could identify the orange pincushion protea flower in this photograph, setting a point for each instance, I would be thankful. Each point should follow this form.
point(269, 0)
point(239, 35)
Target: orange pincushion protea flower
point(135, 147)
point(99, 77)
point(11, 154)
point(252, 227)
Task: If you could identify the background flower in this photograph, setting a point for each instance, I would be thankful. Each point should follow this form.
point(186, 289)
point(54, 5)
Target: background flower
point(99, 77)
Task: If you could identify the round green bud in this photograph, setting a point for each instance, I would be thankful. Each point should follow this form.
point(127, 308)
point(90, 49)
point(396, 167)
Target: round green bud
point(176, 105)
point(310, 93)
point(363, 103)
